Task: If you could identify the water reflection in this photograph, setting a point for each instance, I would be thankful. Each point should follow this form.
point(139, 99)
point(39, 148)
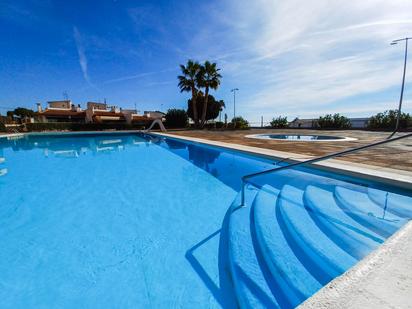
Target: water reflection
point(225, 165)
point(203, 159)
point(175, 144)
point(72, 146)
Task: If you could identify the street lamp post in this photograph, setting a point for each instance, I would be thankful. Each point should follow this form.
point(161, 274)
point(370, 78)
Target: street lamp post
point(394, 42)
point(234, 101)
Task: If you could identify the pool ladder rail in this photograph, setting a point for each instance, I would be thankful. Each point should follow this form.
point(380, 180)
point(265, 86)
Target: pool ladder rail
point(246, 178)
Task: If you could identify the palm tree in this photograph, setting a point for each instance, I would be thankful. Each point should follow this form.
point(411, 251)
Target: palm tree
point(188, 81)
point(208, 78)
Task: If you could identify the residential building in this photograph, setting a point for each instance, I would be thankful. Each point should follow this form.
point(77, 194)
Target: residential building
point(102, 113)
point(132, 116)
point(359, 123)
point(60, 111)
point(154, 114)
point(356, 123)
point(302, 123)
point(96, 112)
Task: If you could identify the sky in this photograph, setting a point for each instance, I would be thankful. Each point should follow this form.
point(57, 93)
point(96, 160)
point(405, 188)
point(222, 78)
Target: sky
point(287, 57)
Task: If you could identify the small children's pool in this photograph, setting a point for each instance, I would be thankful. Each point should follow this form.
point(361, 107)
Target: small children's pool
point(301, 138)
point(141, 221)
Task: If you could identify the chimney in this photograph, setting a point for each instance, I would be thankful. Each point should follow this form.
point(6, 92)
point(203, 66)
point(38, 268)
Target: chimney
point(39, 109)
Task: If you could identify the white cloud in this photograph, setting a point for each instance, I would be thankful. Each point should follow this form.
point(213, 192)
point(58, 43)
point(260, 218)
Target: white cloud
point(136, 76)
point(301, 57)
point(82, 55)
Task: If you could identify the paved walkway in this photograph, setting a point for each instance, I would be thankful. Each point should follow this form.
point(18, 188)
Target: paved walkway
point(397, 155)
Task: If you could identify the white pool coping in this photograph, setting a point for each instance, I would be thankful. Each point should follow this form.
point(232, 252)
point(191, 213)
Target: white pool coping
point(264, 137)
point(383, 279)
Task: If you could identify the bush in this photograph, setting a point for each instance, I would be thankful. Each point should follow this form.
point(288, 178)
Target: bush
point(2, 127)
point(387, 120)
point(239, 123)
point(280, 122)
point(335, 121)
point(219, 124)
point(176, 118)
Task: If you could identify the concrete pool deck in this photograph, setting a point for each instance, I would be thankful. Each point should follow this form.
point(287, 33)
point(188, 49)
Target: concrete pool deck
point(396, 155)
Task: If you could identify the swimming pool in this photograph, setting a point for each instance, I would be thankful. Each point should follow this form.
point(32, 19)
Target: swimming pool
point(301, 137)
point(133, 220)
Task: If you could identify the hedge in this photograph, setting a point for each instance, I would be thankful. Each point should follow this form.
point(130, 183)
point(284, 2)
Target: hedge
point(176, 118)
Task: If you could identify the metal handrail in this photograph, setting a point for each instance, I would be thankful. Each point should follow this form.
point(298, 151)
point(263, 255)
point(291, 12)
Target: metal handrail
point(314, 160)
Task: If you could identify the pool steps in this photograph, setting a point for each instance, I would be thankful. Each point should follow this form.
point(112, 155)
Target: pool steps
point(292, 276)
point(251, 287)
point(357, 203)
point(343, 229)
point(287, 243)
point(316, 245)
point(394, 203)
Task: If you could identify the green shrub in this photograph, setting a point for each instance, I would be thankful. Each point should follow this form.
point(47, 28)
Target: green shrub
point(335, 121)
point(219, 124)
point(239, 123)
point(387, 120)
point(280, 122)
point(176, 118)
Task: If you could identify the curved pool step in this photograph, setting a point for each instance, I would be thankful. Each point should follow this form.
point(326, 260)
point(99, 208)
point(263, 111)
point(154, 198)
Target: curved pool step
point(358, 205)
point(397, 204)
point(252, 287)
point(293, 278)
point(346, 232)
point(332, 260)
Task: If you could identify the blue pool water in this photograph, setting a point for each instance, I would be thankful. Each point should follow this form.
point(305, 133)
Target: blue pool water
point(299, 137)
point(131, 220)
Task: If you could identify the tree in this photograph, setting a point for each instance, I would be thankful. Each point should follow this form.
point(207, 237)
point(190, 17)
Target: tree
point(176, 118)
point(2, 125)
point(213, 106)
point(208, 78)
point(188, 81)
point(280, 122)
point(335, 121)
point(10, 115)
point(387, 120)
point(239, 123)
point(23, 112)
